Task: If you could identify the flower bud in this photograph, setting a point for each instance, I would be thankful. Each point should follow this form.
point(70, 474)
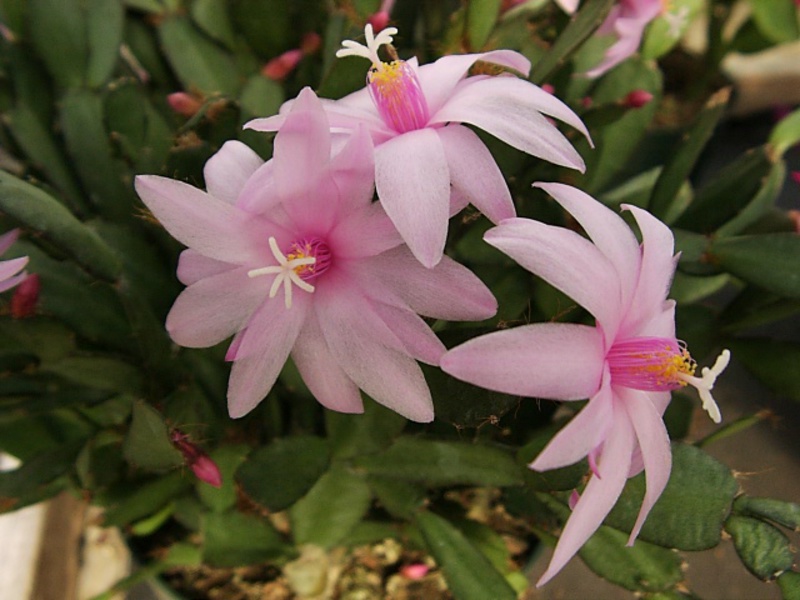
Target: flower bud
point(25, 298)
point(207, 470)
point(310, 43)
point(281, 66)
point(637, 99)
point(415, 571)
point(184, 104)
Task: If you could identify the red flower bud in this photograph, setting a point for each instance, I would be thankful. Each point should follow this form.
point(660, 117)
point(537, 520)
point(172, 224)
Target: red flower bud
point(415, 571)
point(637, 99)
point(196, 459)
point(207, 470)
point(25, 298)
point(281, 66)
point(310, 43)
point(379, 20)
point(184, 104)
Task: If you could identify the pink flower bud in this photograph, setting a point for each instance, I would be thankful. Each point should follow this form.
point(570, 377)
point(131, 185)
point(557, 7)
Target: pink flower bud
point(281, 66)
point(586, 102)
point(310, 43)
point(207, 470)
point(379, 20)
point(637, 99)
point(25, 298)
point(549, 88)
point(415, 571)
point(184, 104)
point(796, 177)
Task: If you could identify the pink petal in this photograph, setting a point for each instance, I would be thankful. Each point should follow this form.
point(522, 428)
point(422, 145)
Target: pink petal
point(656, 454)
point(547, 360)
point(9, 268)
point(511, 110)
point(413, 183)
point(193, 266)
point(353, 170)
point(363, 233)
point(598, 498)
point(214, 308)
point(259, 195)
point(658, 268)
point(417, 338)
point(7, 240)
point(439, 78)
point(607, 230)
point(368, 352)
point(202, 222)
point(475, 174)
point(448, 291)
point(321, 372)
point(262, 351)
point(227, 171)
point(567, 261)
point(583, 434)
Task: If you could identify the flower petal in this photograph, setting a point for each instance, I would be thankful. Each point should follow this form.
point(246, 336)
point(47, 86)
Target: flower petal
point(656, 454)
point(448, 291)
point(367, 351)
point(598, 498)
point(439, 78)
point(259, 195)
point(7, 240)
point(475, 174)
point(583, 434)
point(214, 308)
point(353, 171)
point(567, 261)
point(229, 169)
point(560, 361)
point(511, 110)
point(262, 351)
point(417, 338)
point(193, 266)
point(321, 373)
point(202, 222)
point(607, 230)
point(413, 183)
point(9, 268)
point(364, 233)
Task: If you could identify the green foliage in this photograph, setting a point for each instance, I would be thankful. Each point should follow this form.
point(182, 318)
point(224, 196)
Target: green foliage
point(764, 549)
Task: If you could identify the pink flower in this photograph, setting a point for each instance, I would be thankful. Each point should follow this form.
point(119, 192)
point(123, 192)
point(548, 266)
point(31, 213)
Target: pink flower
point(292, 256)
point(626, 22)
point(626, 365)
point(415, 114)
point(10, 269)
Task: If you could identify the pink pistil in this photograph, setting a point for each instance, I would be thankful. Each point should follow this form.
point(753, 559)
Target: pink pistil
point(650, 364)
point(398, 96)
point(312, 248)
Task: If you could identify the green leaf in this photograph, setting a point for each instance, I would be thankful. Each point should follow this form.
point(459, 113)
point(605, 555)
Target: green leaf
point(29, 481)
point(690, 512)
point(443, 463)
point(199, 63)
point(642, 567)
point(147, 444)
point(261, 97)
point(35, 209)
point(776, 19)
point(685, 155)
point(99, 372)
point(105, 19)
point(89, 147)
point(227, 459)
point(374, 430)
point(786, 133)
point(400, 498)
point(58, 33)
point(764, 549)
point(331, 509)
point(470, 575)
point(481, 18)
point(266, 25)
point(233, 539)
point(212, 17)
point(789, 583)
point(277, 475)
point(581, 27)
point(783, 513)
point(662, 34)
point(768, 260)
point(759, 206)
point(136, 500)
point(774, 362)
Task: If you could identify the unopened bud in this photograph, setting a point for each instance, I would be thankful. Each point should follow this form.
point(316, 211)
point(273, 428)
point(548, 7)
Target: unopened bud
point(415, 571)
point(281, 66)
point(207, 470)
point(184, 104)
point(379, 20)
point(637, 99)
point(796, 177)
point(549, 88)
point(196, 459)
point(310, 43)
point(25, 298)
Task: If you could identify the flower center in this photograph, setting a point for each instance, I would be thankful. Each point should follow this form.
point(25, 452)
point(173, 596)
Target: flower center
point(394, 87)
point(308, 258)
point(663, 364)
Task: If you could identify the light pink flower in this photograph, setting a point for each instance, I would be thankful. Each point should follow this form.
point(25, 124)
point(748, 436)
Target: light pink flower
point(626, 365)
point(10, 269)
point(416, 117)
point(293, 256)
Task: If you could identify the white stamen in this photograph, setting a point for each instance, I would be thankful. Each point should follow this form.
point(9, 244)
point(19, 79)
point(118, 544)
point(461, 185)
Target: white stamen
point(285, 273)
point(705, 384)
point(370, 51)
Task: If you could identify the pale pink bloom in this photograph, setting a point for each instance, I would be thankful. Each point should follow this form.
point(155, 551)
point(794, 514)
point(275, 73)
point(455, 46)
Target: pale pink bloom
point(293, 256)
point(10, 269)
point(626, 22)
point(626, 365)
point(416, 117)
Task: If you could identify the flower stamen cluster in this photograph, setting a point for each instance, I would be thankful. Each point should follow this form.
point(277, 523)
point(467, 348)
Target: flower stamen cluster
point(288, 271)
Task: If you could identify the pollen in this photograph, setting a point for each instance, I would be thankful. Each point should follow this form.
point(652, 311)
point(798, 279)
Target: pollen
point(663, 364)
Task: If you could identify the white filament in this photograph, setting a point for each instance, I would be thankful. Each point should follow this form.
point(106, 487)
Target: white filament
point(285, 273)
point(370, 51)
point(705, 384)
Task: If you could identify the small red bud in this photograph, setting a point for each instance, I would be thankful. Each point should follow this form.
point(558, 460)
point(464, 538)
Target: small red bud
point(196, 459)
point(184, 104)
point(281, 66)
point(549, 88)
point(379, 20)
point(415, 571)
point(637, 99)
point(587, 102)
point(25, 298)
point(207, 470)
point(310, 43)
point(796, 177)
